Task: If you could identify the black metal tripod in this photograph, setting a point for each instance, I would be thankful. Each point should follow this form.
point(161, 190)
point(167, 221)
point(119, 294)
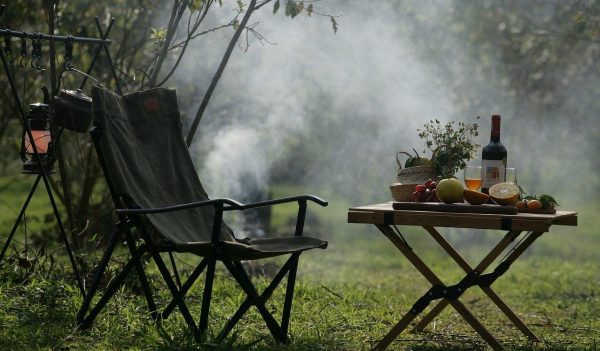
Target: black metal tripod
point(101, 44)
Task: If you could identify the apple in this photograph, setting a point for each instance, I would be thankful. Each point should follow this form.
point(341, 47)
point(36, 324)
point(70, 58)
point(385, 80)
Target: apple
point(450, 190)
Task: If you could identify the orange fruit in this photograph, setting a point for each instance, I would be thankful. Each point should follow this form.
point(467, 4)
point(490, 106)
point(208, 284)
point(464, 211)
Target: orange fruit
point(521, 204)
point(534, 204)
point(475, 197)
point(504, 193)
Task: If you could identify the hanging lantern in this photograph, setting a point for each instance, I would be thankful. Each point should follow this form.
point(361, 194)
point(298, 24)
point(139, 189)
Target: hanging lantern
point(38, 120)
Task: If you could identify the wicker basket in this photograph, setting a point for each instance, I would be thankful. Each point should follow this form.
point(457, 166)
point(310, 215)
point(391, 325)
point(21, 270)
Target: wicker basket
point(402, 192)
point(414, 175)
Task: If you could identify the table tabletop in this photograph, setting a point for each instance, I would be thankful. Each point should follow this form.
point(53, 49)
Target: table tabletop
point(385, 214)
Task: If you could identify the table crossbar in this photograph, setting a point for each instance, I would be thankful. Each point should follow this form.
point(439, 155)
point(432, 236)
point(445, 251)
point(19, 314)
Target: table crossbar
point(384, 217)
point(434, 280)
point(486, 289)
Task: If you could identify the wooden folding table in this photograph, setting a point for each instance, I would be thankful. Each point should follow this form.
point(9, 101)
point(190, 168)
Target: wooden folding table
point(386, 219)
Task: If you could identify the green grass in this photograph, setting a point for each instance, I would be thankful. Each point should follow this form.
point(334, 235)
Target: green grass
point(347, 297)
point(14, 191)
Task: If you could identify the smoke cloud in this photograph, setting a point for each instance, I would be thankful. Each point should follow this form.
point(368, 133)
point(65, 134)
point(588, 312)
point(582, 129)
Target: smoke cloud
point(327, 110)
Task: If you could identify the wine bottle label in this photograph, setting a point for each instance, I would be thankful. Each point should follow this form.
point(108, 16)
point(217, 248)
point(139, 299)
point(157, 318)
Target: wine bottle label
point(493, 172)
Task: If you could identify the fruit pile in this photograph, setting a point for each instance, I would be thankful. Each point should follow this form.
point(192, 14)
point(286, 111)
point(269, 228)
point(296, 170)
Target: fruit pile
point(475, 197)
point(425, 192)
point(544, 202)
point(504, 193)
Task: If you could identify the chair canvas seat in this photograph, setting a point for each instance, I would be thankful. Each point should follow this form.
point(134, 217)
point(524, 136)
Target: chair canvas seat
point(251, 248)
point(156, 190)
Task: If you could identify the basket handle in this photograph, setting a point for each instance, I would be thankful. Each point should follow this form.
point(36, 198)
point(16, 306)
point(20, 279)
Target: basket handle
point(398, 160)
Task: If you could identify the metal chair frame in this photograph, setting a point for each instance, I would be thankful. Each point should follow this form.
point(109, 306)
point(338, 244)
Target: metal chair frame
point(131, 216)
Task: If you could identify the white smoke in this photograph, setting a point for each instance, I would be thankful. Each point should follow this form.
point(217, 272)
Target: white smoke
point(372, 90)
point(365, 90)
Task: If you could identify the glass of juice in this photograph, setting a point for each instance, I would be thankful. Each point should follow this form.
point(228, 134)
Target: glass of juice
point(511, 175)
point(473, 177)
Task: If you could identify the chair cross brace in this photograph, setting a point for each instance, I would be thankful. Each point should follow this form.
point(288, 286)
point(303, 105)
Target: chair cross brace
point(279, 331)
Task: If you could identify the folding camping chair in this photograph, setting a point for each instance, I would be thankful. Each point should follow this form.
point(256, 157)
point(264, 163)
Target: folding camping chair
point(156, 191)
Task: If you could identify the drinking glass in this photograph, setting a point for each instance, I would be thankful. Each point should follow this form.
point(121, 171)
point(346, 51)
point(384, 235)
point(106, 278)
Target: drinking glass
point(511, 175)
point(473, 177)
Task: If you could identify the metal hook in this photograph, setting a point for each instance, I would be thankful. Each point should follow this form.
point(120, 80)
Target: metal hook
point(69, 53)
point(36, 53)
point(39, 63)
point(22, 62)
point(7, 46)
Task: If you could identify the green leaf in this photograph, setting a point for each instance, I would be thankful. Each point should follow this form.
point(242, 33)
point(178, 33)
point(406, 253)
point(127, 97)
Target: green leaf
point(299, 8)
point(334, 25)
point(157, 34)
point(547, 201)
point(291, 9)
point(276, 7)
point(195, 5)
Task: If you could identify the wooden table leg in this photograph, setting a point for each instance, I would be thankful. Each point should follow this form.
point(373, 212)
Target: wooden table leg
point(510, 314)
point(394, 332)
point(485, 263)
point(480, 329)
point(430, 316)
point(433, 279)
point(487, 290)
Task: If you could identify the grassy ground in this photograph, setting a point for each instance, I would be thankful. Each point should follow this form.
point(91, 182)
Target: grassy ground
point(347, 298)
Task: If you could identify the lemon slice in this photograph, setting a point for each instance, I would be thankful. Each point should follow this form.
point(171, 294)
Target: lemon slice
point(504, 193)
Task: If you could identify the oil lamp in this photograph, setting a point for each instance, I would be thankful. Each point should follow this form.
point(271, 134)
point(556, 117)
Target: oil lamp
point(38, 120)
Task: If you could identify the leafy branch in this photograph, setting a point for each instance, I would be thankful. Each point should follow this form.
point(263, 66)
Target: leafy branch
point(450, 147)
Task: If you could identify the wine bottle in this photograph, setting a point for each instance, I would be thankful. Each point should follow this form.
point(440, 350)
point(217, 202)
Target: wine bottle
point(493, 158)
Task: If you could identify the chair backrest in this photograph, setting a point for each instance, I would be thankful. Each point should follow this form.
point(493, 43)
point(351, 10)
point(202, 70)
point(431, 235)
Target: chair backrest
point(145, 158)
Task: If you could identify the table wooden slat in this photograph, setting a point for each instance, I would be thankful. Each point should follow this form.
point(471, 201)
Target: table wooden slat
point(385, 214)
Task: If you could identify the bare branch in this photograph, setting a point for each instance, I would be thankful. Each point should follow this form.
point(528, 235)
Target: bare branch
point(217, 76)
point(262, 3)
point(176, 14)
point(190, 36)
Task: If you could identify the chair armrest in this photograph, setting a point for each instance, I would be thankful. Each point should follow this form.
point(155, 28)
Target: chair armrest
point(283, 200)
point(232, 204)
